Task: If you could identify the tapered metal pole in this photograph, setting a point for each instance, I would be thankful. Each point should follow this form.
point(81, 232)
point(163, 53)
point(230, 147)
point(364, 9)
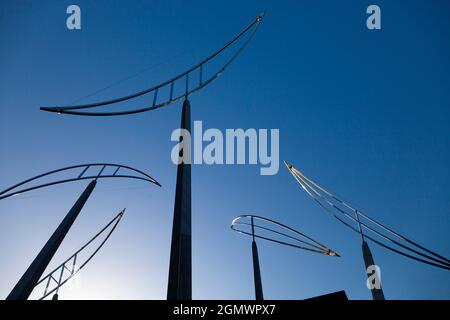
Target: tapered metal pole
point(180, 268)
point(257, 273)
point(377, 293)
point(256, 270)
point(26, 284)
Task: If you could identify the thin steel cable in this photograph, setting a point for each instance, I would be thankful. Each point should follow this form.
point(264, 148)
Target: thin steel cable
point(367, 227)
point(282, 234)
point(318, 249)
point(129, 77)
point(375, 231)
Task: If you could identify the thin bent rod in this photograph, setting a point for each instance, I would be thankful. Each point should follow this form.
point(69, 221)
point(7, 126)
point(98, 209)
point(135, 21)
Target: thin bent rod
point(150, 179)
point(279, 233)
point(281, 225)
point(117, 219)
point(373, 230)
point(281, 242)
point(306, 186)
point(74, 179)
point(322, 249)
point(379, 224)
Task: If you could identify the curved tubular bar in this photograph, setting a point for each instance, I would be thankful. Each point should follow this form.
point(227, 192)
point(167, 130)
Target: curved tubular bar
point(306, 186)
point(306, 183)
point(367, 227)
point(276, 232)
point(9, 192)
point(408, 255)
point(361, 214)
point(314, 246)
point(73, 272)
point(385, 237)
point(250, 30)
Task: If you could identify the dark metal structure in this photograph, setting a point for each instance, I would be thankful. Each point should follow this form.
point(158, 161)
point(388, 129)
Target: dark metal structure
point(166, 93)
point(69, 268)
point(180, 266)
point(134, 174)
point(185, 81)
point(245, 224)
point(369, 229)
point(29, 279)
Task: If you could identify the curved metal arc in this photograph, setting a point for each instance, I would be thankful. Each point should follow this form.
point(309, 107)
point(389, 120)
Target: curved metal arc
point(70, 180)
point(323, 249)
point(305, 185)
point(116, 219)
point(309, 246)
point(383, 236)
point(408, 255)
point(117, 113)
point(147, 178)
point(281, 225)
point(361, 214)
point(367, 227)
point(277, 232)
point(70, 109)
point(404, 246)
point(281, 242)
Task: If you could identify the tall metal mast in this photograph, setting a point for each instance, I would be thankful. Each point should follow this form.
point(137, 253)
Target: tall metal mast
point(180, 267)
point(28, 281)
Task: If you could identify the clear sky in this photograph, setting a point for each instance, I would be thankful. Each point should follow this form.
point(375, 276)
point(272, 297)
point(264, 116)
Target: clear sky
point(365, 113)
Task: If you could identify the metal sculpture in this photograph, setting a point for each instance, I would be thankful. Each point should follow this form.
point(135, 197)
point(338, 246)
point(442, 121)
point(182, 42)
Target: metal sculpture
point(27, 282)
point(291, 237)
point(369, 229)
point(180, 267)
point(68, 269)
point(12, 191)
point(168, 86)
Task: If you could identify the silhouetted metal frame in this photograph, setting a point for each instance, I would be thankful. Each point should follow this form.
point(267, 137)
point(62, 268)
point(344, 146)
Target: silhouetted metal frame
point(250, 30)
point(145, 177)
point(316, 246)
point(49, 277)
point(325, 199)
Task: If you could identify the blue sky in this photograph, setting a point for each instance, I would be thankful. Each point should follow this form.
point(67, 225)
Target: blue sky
point(363, 112)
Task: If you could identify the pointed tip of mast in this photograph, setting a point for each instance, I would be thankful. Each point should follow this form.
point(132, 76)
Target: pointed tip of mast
point(158, 184)
point(51, 109)
point(331, 253)
point(288, 165)
point(122, 212)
